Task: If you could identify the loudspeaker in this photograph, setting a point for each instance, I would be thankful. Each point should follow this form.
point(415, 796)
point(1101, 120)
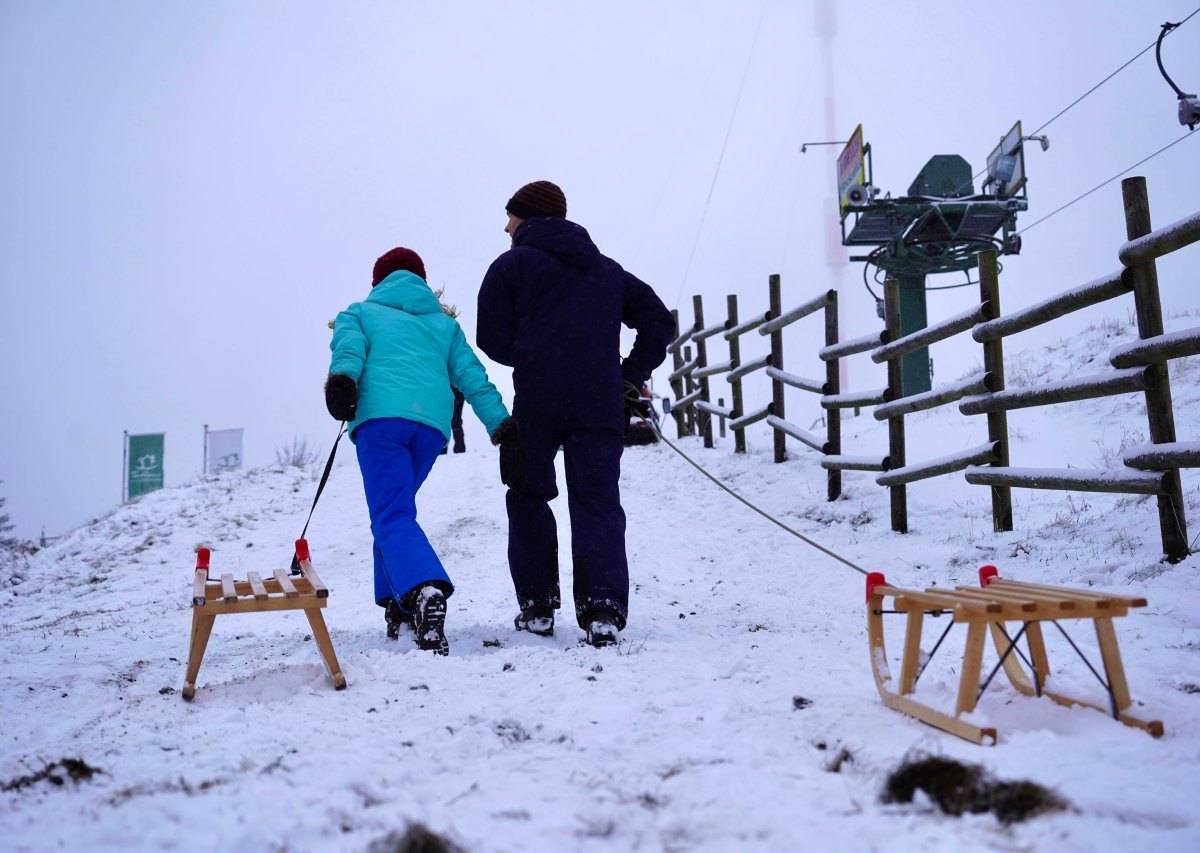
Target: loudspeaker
point(858, 195)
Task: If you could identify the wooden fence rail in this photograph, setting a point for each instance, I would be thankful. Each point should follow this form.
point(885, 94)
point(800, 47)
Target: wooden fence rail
point(1084, 296)
point(1148, 247)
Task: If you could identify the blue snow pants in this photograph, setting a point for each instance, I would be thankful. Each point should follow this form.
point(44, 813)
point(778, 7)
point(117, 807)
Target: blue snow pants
point(600, 571)
point(395, 456)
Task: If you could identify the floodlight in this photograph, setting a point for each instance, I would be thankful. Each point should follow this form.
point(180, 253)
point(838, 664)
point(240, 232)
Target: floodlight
point(1000, 168)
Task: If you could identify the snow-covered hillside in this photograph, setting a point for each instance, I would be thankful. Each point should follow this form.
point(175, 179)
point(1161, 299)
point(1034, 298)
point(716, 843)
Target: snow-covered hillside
point(737, 713)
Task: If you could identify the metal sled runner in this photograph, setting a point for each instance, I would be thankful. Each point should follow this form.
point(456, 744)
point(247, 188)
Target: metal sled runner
point(996, 603)
point(211, 598)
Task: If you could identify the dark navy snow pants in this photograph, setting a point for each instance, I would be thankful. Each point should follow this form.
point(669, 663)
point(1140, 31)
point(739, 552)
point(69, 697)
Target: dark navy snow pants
point(395, 456)
point(600, 572)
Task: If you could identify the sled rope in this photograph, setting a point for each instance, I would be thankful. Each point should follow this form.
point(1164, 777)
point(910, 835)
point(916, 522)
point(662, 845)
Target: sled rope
point(320, 488)
point(761, 512)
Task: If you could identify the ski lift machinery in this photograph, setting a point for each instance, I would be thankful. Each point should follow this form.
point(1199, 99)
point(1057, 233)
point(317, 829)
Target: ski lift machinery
point(940, 225)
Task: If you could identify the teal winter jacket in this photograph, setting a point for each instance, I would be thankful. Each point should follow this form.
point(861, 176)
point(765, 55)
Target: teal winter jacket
point(405, 353)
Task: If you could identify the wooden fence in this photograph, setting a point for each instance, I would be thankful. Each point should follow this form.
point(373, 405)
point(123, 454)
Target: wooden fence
point(1138, 367)
point(693, 408)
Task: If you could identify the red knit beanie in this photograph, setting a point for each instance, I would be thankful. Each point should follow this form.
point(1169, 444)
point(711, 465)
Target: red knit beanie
point(398, 258)
point(541, 198)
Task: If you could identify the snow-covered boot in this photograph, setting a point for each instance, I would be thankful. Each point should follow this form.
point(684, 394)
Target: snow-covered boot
point(396, 619)
point(602, 630)
point(429, 620)
point(536, 620)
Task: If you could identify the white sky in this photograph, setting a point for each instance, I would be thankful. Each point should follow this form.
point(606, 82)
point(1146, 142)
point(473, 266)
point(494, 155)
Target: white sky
point(191, 191)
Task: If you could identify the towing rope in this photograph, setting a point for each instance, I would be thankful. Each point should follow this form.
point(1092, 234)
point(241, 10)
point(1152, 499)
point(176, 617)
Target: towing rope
point(761, 512)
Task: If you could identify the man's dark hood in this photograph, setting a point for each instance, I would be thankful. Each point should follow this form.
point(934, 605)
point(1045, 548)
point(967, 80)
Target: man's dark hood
point(563, 239)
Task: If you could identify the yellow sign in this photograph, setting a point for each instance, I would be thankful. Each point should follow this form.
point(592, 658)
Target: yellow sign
point(851, 167)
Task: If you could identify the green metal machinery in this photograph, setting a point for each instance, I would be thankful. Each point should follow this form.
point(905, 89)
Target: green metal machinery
point(940, 225)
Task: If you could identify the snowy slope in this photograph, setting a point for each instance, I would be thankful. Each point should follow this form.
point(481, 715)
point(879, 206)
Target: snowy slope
point(688, 736)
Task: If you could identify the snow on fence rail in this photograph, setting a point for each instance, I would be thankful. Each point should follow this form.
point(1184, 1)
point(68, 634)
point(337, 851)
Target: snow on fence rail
point(1139, 367)
point(1161, 242)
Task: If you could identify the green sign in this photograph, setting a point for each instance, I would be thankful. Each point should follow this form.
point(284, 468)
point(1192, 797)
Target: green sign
point(145, 464)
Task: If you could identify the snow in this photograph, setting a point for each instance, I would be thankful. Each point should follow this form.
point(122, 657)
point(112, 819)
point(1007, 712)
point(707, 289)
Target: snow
point(691, 734)
point(959, 458)
point(1161, 241)
point(1176, 339)
point(1139, 455)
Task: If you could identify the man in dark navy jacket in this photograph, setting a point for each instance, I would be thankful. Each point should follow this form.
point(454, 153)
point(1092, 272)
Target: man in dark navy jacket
point(552, 308)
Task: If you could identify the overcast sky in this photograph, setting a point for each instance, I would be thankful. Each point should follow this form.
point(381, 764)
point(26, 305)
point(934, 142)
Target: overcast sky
point(190, 191)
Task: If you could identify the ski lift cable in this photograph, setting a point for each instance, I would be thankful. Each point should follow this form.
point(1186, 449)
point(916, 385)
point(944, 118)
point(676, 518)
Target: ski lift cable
point(1106, 183)
point(1073, 103)
point(867, 285)
point(721, 157)
point(1110, 76)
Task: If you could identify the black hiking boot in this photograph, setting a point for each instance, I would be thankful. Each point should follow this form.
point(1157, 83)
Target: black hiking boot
point(536, 620)
point(396, 619)
point(429, 620)
point(602, 630)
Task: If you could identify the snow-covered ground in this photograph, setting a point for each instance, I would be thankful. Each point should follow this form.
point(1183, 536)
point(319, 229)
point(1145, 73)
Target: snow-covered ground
point(737, 713)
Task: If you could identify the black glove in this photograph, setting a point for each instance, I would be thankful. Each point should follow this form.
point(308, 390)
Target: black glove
point(507, 429)
point(512, 455)
point(634, 403)
point(341, 396)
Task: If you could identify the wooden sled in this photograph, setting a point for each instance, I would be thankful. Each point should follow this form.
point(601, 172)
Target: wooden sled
point(211, 598)
point(997, 602)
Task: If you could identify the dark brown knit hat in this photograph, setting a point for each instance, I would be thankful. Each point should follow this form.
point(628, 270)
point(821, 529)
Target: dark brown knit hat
point(398, 258)
point(541, 198)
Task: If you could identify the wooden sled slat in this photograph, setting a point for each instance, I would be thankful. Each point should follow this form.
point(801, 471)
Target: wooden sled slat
point(289, 588)
point(256, 586)
point(199, 596)
point(1128, 601)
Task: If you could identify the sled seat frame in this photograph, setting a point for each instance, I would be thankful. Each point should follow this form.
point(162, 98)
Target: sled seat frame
point(988, 609)
point(214, 597)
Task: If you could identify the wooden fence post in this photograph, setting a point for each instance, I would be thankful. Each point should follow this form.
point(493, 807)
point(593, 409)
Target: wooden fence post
point(689, 385)
point(735, 360)
point(776, 306)
point(703, 418)
point(833, 385)
point(677, 385)
point(1159, 408)
point(898, 493)
point(993, 365)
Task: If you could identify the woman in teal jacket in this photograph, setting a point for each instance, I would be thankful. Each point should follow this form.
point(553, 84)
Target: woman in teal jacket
point(396, 357)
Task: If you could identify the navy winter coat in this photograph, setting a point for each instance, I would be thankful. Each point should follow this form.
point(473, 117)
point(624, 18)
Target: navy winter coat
point(552, 308)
